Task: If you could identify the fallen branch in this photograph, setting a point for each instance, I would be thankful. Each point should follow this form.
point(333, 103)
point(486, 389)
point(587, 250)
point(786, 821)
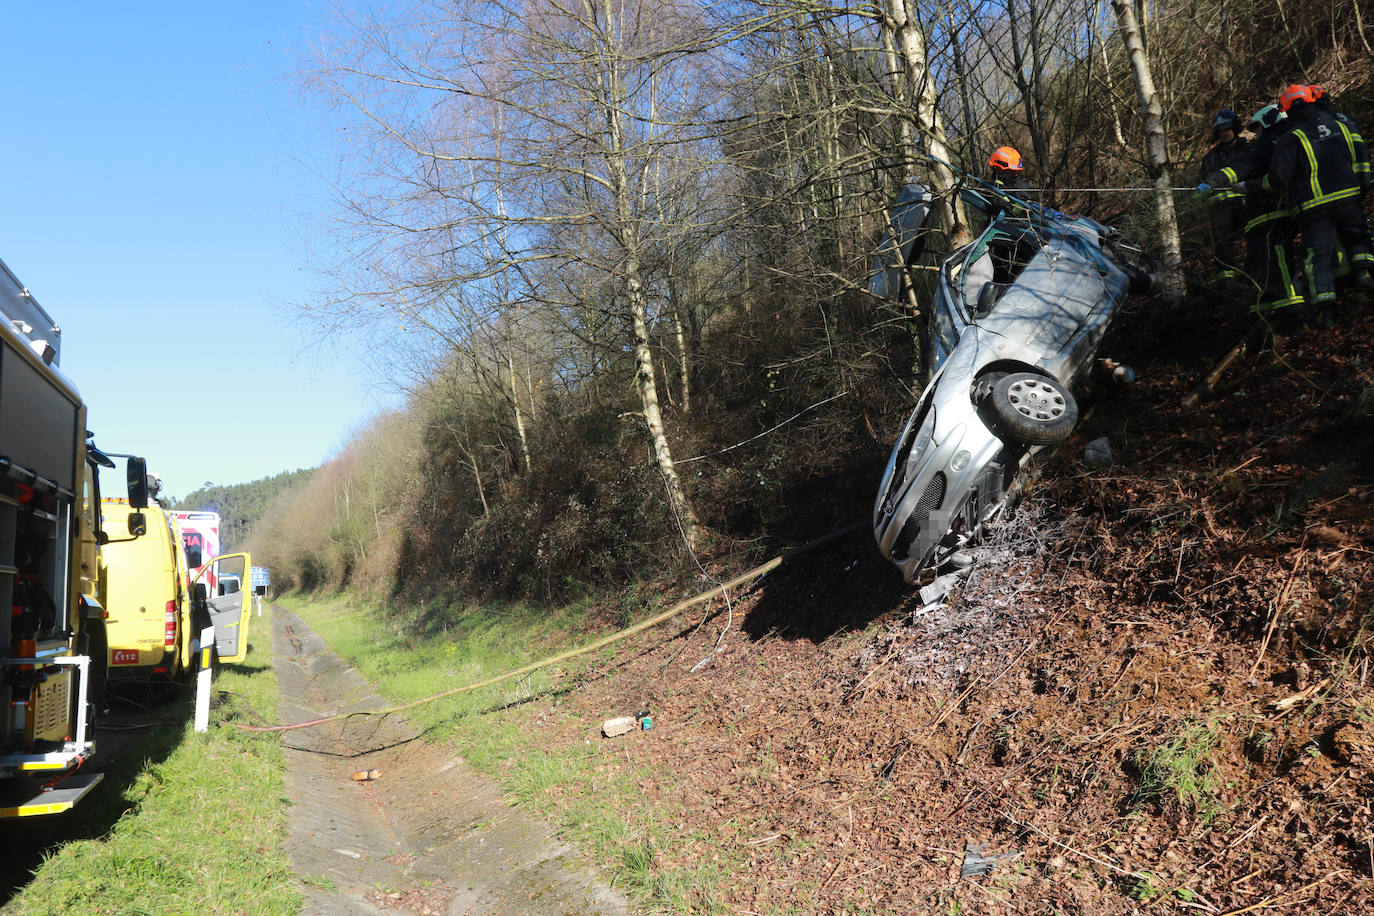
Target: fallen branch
point(1277, 609)
point(1205, 386)
point(1274, 901)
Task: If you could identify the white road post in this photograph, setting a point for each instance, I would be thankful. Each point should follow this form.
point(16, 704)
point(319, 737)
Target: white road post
point(206, 647)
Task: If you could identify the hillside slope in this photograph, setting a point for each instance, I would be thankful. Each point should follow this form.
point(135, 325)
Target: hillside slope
point(241, 505)
point(1152, 695)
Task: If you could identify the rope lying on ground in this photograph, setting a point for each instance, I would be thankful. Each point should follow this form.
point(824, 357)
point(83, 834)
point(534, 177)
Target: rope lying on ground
point(755, 573)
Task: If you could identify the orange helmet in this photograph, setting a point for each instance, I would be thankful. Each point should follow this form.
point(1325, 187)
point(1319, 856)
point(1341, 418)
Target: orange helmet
point(1007, 159)
point(1297, 93)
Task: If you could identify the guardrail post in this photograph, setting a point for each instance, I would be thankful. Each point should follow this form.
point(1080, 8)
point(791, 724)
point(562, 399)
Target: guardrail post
point(206, 648)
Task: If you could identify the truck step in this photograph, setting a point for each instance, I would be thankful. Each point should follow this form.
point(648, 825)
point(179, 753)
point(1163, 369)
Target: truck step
point(28, 800)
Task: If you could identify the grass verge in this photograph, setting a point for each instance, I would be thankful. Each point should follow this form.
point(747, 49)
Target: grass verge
point(535, 750)
point(203, 820)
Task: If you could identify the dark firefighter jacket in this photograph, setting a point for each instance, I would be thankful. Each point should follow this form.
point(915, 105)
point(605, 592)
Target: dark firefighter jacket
point(1218, 158)
point(1322, 160)
point(1246, 171)
point(1013, 184)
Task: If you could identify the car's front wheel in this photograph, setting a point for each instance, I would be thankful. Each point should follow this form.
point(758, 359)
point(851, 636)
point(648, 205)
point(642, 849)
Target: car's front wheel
point(1035, 409)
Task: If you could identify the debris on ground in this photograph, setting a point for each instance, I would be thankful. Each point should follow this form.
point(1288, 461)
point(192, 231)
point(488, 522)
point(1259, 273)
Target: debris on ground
point(978, 861)
point(614, 728)
point(1098, 453)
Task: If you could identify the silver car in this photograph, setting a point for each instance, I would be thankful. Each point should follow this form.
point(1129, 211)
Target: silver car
point(1015, 320)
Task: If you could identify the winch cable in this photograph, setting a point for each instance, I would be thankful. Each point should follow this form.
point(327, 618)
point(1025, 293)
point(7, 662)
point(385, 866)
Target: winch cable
point(756, 573)
point(1102, 190)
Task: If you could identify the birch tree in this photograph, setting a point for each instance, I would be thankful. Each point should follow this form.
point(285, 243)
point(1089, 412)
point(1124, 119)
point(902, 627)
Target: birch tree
point(1156, 148)
point(512, 140)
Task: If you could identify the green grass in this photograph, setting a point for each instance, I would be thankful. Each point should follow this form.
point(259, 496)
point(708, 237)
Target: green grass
point(587, 789)
point(1183, 767)
point(204, 827)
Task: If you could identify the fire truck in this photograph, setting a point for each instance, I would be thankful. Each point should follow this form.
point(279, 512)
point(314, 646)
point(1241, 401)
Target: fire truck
point(53, 638)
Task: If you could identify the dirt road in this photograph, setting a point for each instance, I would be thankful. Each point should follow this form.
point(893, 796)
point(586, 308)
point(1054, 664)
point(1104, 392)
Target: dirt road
point(428, 835)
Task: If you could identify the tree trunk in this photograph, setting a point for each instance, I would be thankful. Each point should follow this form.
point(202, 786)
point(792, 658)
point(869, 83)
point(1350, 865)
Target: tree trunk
point(481, 492)
point(911, 43)
point(972, 151)
point(1026, 86)
point(1111, 90)
point(627, 236)
point(1156, 150)
point(648, 398)
point(683, 354)
point(515, 408)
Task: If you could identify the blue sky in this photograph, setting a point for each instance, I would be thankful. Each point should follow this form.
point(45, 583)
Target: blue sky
point(160, 202)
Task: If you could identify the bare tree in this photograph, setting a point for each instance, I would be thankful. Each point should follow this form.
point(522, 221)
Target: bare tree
point(528, 138)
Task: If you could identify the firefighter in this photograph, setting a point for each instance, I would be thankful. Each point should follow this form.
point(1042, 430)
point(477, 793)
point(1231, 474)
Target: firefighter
point(1323, 163)
point(1226, 205)
point(1269, 229)
point(1008, 171)
point(1010, 248)
point(1343, 266)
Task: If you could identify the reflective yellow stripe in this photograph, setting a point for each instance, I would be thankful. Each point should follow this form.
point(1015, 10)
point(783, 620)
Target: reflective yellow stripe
point(1349, 142)
point(1289, 287)
point(44, 766)
point(34, 810)
point(1263, 218)
point(1327, 198)
point(205, 657)
point(1230, 174)
point(1311, 165)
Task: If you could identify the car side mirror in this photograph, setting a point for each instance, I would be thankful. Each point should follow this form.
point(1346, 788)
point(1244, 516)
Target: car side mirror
point(193, 559)
point(137, 476)
point(198, 593)
point(138, 524)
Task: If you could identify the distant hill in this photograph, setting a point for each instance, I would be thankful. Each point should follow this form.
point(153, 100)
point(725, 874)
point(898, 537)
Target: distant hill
point(240, 505)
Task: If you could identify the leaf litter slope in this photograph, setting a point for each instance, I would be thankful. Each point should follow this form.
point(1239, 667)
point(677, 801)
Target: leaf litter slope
point(1152, 692)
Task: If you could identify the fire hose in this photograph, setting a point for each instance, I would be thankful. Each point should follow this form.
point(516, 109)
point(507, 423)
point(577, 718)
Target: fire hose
point(756, 573)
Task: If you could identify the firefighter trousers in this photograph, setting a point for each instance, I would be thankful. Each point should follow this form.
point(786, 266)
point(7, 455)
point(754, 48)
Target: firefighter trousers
point(1269, 262)
point(1228, 234)
point(1323, 230)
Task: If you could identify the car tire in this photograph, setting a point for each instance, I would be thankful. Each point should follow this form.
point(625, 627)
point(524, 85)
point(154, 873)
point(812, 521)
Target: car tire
point(1036, 409)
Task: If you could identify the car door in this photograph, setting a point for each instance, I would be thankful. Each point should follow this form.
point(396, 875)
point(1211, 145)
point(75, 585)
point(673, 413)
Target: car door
point(228, 606)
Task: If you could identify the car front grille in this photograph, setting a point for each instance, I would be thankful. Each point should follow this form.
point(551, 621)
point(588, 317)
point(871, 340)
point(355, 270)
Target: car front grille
point(930, 500)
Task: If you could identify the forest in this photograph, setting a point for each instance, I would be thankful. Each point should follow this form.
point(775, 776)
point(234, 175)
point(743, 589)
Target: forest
point(240, 506)
point(618, 251)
